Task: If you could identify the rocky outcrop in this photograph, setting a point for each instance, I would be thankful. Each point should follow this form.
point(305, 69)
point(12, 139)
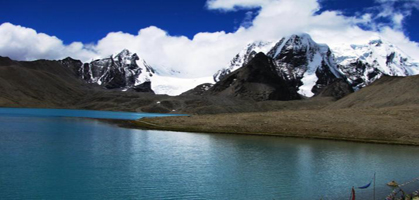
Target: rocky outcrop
point(257, 80)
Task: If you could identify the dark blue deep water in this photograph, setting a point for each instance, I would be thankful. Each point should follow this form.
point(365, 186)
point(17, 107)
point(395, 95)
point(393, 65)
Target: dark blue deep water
point(46, 157)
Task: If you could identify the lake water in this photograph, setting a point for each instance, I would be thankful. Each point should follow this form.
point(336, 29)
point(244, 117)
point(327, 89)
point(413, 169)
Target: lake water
point(45, 157)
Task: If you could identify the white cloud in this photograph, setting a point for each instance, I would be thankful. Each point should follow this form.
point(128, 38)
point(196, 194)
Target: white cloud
point(202, 55)
point(207, 52)
point(22, 43)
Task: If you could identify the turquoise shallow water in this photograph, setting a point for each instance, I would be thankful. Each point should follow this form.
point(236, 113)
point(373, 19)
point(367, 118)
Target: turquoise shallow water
point(38, 112)
point(44, 157)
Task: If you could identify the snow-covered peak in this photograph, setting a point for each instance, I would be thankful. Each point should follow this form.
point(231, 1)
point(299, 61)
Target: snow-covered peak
point(123, 53)
point(124, 57)
point(124, 70)
point(294, 43)
point(243, 57)
point(297, 58)
point(379, 53)
point(301, 59)
point(128, 59)
point(364, 63)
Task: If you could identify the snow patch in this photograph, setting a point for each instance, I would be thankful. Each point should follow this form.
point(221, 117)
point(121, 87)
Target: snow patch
point(174, 86)
point(310, 78)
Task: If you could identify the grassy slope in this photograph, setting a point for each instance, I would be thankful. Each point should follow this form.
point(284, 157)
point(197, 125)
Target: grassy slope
point(398, 125)
point(386, 111)
point(385, 92)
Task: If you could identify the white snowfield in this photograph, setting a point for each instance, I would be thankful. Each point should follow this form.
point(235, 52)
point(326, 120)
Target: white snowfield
point(174, 86)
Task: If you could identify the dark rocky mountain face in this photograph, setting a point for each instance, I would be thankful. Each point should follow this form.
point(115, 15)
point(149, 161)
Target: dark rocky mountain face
point(143, 87)
point(257, 80)
point(243, 58)
point(304, 64)
point(337, 89)
point(122, 71)
point(73, 65)
point(360, 74)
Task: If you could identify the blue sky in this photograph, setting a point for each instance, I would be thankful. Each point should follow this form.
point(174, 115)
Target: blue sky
point(89, 21)
point(195, 37)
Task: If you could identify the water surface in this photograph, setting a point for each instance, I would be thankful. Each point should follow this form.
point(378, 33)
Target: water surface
point(71, 158)
point(39, 112)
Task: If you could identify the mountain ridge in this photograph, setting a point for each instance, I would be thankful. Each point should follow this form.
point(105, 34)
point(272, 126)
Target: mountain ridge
point(359, 67)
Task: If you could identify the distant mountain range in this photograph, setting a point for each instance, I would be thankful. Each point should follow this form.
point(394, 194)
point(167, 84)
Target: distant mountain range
point(300, 63)
point(311, 66)
point(251, 88)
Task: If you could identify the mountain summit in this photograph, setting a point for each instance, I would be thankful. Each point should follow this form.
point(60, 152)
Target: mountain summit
point(363, 64)
point(124, 70)
point(298, 60)
point(256, 80)
point(243, 57)
point(311, 67)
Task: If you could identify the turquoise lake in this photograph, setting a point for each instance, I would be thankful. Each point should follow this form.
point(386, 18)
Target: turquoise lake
point(50, 154)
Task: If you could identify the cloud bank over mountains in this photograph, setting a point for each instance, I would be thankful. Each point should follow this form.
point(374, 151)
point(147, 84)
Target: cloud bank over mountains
point(207, 52)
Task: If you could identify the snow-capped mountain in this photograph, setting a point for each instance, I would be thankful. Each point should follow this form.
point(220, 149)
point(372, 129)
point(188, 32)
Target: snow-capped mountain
point(124, 70)
point(127, 71)
point(302, 61)
point(298, 59)
point(363, 64)
point(243, 57)
point(312, 66)
point(257, 80)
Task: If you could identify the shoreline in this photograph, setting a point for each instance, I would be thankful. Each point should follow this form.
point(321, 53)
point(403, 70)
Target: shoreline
point(144, 125)
point(392, 125)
